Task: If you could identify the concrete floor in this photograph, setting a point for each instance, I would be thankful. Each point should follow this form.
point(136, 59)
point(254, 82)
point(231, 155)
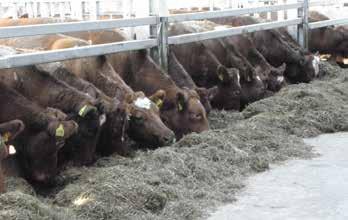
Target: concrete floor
point(299, 189)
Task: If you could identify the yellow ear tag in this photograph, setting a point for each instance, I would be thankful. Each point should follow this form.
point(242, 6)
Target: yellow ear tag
point(6, 137)
point(180, 107)
point(82, 111)
point(159, 103)
point(2, 142)
point(60, 131)
point(221, 77)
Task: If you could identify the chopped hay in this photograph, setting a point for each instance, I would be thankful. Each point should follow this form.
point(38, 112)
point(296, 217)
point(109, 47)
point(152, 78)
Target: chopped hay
point(200, 171)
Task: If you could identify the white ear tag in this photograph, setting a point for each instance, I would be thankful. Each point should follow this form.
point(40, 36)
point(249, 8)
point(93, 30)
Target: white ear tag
point(280, 79)
point(143, 103)
point(315, 64)
point(102, 119)
point(11, 150)
point(238, 76)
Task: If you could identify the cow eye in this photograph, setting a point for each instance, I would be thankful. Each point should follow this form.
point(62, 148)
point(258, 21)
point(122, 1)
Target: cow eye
point(138, 119)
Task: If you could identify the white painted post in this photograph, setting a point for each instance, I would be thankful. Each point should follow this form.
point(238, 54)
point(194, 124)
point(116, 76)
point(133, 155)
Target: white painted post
point(153, 11)
point(211, 5)
point(163, 35)
point(92, 9)
point(302, 29)
point(15, 11)
point(83, 10)
point(97, 9)
point(61, 10)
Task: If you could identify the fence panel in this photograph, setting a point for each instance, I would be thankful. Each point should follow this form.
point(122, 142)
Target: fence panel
point(159, 38)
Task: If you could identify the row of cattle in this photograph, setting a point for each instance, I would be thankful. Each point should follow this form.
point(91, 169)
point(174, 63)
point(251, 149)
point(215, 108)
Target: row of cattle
point(72, 110)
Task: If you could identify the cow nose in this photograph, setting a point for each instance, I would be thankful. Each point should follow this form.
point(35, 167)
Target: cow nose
point(41, 177)
point(169, 139)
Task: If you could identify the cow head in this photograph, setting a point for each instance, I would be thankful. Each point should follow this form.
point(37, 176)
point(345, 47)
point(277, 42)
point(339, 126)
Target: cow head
point(183, 112)
point(339, 40)
point(228, 91)
point(145, 124)
point(276, 80)
point(8, 131)
point(206, 95)
point(113, 134)
point(82, 145)
point(252, 91)
point(305, 70)
point(38, 151)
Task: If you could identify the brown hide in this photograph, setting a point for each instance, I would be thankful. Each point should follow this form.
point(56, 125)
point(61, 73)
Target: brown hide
point(142, 74)
point(183, 80)
point(273, 78)
point(112, 138)
point(39, 143)
point(328, 40)
point(123, 63)
point(96, 70)
point(27, 21)
point(41, 87)
point(8, 132)
point(229, 55)
point(277, 50)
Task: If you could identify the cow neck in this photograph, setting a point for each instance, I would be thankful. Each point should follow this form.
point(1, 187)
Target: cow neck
point(178, 73)
point(213, 60)
point(295, 56)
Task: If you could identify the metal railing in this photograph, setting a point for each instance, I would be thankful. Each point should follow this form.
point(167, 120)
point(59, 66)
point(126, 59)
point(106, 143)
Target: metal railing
point(160, 40)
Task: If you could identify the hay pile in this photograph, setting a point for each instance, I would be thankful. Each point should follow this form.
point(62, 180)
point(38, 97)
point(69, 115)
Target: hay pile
point(202, 170)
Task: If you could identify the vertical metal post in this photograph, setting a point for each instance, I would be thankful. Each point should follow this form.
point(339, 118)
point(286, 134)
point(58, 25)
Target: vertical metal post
point(211, 5)
point(303, 28)
point(163, 43)
point(153, 11)
point(97, 9)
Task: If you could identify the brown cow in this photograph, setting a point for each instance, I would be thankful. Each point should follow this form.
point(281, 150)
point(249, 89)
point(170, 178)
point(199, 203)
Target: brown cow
point(141, 73)
point(182, 79)
point(272, 77)
point(39, 86)
point(29, 21)
point(122, 64)
point(301, 67)
point(252, 88)
point(328, 40)
point(8, 132)
point(45, 133)
point(150, 132)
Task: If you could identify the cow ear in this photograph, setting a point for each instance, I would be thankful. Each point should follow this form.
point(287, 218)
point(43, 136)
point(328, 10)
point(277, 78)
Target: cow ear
point(181, 102)
point(130, 98)
point(102, 59)
point(222, 74)
point(212, 92)
point(282, 68)
point(142, 54)
point(10, 130)
point(158, 98)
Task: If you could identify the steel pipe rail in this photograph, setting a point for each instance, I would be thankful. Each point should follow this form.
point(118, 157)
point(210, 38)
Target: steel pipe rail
point(43, 29)
point(321, 3)
point(188, 38)
point(73, 53)
point(231, 12)
point(320, 24)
